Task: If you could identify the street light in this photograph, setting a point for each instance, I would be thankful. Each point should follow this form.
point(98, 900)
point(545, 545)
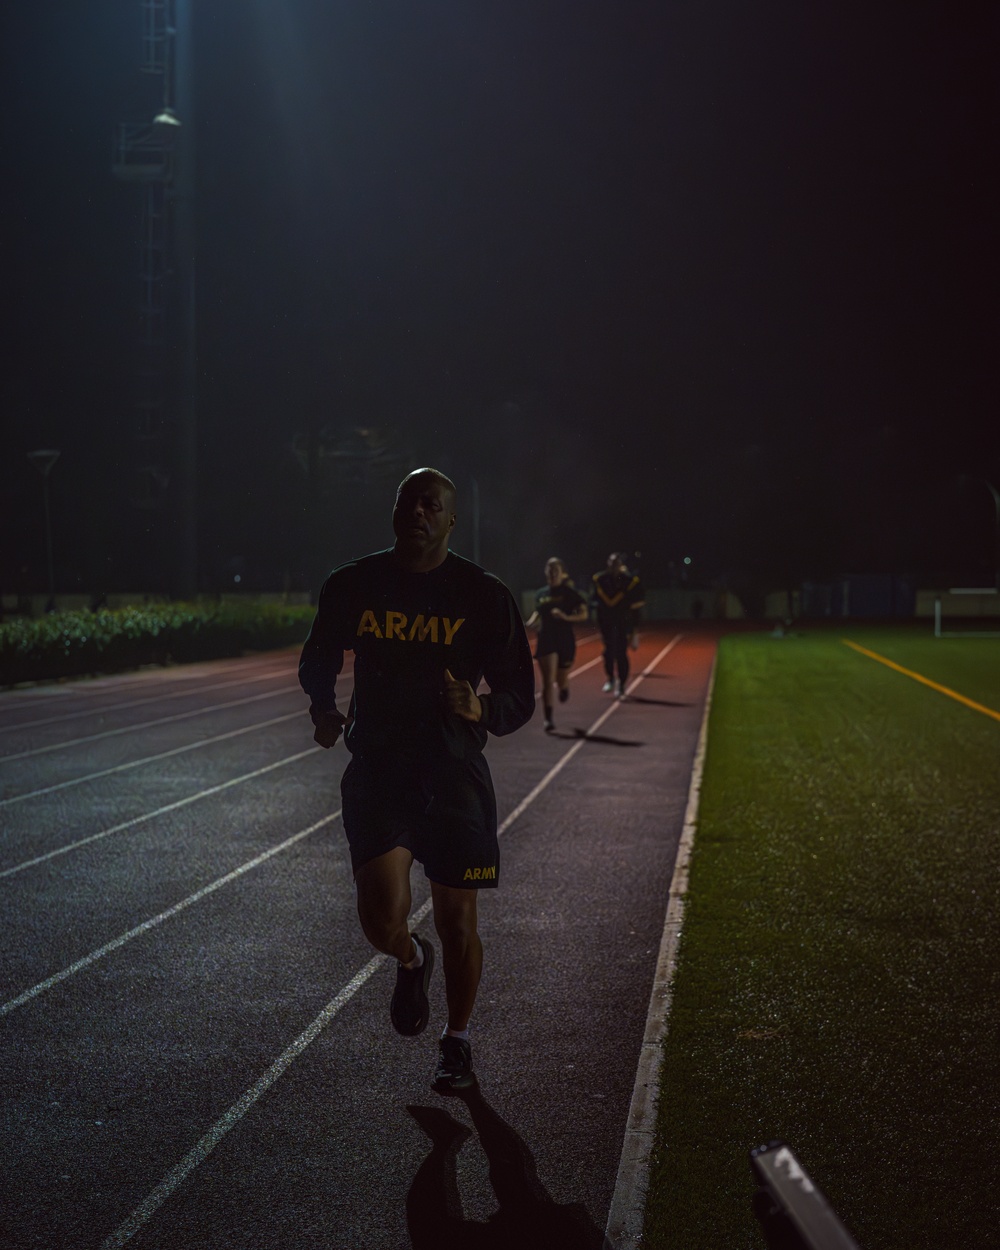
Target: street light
point(43, 460)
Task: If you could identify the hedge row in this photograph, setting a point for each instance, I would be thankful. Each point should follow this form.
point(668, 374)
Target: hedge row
point(70, 644)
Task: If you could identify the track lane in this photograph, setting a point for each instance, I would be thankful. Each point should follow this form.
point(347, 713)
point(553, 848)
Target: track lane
point(147, 759)
point(72, 691)
point(359, 1184)
point(87, 960)
point(179, 1173)
point(86, 740)
point(100, 710)
point(67, 847)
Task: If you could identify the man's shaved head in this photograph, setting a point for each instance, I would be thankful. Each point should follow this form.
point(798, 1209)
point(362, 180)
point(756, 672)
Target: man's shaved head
point(437, 475)
point(423, 517)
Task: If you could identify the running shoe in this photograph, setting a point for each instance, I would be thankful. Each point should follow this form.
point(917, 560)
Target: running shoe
point(410, 1010)
point(550, 725)
point(455, 1066)
point(620, 691)
point(608, 686)
point(564, 694)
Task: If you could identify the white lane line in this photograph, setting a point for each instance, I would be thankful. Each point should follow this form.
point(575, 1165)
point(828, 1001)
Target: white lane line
point(628, 1203)
point(177, 1174)
point(138, 679)
point(160, 811)
point(596, 660)
point(162, 720)
point(561, 764)
point(149, 759)
point(154, 698)
point(238, 1110)
point(576, 672)
point(583, 667)
point(153, 921)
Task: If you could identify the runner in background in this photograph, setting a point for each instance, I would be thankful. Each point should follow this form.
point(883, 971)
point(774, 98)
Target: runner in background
point(558, 606)
point(617, 596)
point(632, 561)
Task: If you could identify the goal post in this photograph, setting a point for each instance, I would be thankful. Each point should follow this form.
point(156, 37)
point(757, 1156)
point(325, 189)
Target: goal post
point(976, 607)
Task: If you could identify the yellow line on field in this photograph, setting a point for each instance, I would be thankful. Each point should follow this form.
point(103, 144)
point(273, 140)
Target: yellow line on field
point(952, 694)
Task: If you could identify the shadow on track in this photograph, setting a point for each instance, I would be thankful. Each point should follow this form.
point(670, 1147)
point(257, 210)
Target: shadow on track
point(637, 698)
point(528, 1218)
point(588, 737)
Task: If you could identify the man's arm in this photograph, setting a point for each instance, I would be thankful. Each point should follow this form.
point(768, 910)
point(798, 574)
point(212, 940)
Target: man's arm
point(508, 669)
point(320, 664)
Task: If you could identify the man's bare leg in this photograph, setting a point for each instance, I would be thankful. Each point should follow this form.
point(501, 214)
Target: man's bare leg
point(384, 903)
point(383, 906)
point(456, 921)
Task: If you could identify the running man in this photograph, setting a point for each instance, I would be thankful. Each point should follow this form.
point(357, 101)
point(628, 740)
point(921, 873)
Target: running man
point(425, 626)
point(618, 596)
point(558, 606)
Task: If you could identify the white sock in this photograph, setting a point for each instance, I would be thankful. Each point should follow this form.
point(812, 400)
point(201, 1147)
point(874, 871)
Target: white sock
point(418, 959)
point(463, 1033)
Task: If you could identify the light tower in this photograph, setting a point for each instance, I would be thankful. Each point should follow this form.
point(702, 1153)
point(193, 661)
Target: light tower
point(158, 156)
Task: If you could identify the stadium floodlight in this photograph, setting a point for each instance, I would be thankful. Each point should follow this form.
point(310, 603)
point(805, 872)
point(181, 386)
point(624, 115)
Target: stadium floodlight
point(166, 119)
point(793, 1212)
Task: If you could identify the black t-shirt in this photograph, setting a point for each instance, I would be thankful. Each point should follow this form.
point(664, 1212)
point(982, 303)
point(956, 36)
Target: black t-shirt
point(405, 629)
point(565, 597)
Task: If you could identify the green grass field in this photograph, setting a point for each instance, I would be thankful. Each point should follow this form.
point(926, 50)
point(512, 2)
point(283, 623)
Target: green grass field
point(838, 983)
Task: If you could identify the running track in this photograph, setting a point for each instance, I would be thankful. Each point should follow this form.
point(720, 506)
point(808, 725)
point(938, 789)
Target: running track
point(194, 1037)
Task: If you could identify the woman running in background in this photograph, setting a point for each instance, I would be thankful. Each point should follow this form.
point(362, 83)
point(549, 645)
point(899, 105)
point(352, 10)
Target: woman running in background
point(558, 607)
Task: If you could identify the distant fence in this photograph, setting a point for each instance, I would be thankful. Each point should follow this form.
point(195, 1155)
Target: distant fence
point(876, 596)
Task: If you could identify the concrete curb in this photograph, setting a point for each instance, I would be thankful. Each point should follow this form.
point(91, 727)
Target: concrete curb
point(628, 1203)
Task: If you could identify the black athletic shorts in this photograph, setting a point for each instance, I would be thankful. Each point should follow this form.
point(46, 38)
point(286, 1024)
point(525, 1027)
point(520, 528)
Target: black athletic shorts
point(444, 814)
point(561, 641)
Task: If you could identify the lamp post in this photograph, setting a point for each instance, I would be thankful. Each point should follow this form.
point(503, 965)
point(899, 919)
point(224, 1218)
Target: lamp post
point(185, 361)
point(43, 460)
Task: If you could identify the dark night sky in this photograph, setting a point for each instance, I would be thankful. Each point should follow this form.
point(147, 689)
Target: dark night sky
point(707, 279)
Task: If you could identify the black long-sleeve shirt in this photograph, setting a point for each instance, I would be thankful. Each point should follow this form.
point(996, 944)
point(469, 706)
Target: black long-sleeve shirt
point(617, 597)
point(405, 629)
